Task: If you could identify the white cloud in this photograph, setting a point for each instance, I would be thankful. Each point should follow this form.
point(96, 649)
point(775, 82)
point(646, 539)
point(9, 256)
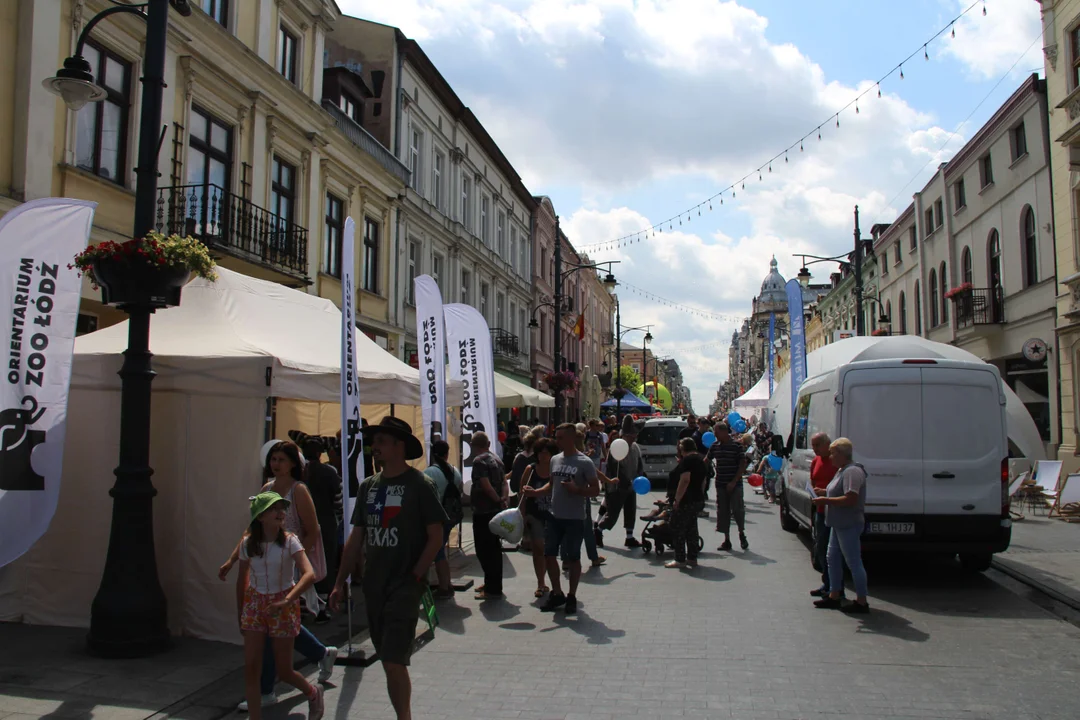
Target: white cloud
point(1009, 34)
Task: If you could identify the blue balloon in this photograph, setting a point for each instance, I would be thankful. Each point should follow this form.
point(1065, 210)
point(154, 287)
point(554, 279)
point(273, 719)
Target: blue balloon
point(775, 461)
point(733, 418)
point(739, 426)
point(642, 486)
point(708, 439)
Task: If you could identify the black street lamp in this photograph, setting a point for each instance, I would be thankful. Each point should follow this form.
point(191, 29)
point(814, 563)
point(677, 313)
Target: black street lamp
point(855, 266)
point(128, 615)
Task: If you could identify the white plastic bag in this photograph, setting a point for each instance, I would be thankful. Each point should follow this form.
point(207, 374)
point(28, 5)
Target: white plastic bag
point(509, 525)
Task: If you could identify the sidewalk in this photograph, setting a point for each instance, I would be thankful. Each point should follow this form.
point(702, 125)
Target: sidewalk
point(1045, 553)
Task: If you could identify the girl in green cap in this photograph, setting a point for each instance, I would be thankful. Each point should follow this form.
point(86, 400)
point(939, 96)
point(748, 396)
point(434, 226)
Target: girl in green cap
point(268, 601)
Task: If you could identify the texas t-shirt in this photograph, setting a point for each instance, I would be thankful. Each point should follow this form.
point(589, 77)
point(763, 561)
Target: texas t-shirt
point(579, 470)
point(395, 513)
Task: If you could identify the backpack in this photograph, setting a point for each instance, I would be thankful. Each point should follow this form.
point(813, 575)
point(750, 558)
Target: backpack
point(451, 502)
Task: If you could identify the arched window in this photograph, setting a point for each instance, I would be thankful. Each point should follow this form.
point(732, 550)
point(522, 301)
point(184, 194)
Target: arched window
point(966, 272)
point(902, 306)
point(888, 313)
point(944, 289)
point(918, 309)
point(932, 301)
point(1031, 260)
point(993, 257)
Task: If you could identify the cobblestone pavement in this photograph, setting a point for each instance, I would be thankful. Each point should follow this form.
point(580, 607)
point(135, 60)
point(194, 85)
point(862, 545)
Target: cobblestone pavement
point(737, 638)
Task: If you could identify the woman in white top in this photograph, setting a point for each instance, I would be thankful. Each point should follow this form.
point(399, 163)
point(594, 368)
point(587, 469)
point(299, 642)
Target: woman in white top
point(268, 600)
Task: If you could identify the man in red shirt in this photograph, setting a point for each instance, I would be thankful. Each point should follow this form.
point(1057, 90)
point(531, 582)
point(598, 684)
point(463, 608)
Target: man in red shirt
point(821, 474)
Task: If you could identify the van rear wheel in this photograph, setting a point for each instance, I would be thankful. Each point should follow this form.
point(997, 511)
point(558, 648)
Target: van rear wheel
point(787, 522)
point(975, 562)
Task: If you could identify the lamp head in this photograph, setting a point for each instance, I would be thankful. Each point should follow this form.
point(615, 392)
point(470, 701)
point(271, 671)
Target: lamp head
point(75, 84)
point(883, 319)
point(609, 282)
point(533, 323)
point(648, 336)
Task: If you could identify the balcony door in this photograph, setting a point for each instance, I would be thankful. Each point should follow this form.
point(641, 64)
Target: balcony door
point(209, 170)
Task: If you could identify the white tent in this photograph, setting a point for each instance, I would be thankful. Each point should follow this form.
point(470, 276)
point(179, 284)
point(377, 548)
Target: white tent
point(1021, 428)
point(755, 400)
point(234, 358)
point(510, 393)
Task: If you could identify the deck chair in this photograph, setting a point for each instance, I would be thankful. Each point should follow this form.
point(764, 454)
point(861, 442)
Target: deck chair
point(1047, 476)
point(1014, 490)
point(1068, 493)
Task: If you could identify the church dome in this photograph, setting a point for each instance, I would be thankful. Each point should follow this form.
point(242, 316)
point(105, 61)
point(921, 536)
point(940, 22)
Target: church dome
point(772, 288)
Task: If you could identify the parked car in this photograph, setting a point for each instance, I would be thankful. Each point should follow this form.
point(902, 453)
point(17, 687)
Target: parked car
point(658, 439)
point(932, 437)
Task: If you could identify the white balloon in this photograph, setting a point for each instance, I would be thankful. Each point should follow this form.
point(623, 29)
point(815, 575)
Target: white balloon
point(264, 454)
point(620, 449)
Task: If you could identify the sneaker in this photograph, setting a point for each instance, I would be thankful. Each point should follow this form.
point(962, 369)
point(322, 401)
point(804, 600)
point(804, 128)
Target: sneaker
point(632, 542)
point(691, 563)
point(675, 564)
point(744, 542)
point(819, 592)
point(554, 602)
point(444, 594)
point(827, 603)
point(315, 704)
point(571, 605)
point(599, 561)
point(326, 665)
point(856, 608)
point(267, 700)
point(726, 545)
point(599, 536)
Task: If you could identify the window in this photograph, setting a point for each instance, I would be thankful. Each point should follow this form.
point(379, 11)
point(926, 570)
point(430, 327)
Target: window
point(436, 271)
point(350, 107)
point(514, 249)
point(1074, 43)
point(209, 167)
point(986, 170)
point(543, 263)
point(286, 55)
point(1019, 142)
point(522, 326)
point(902, 307)
point(466, 287)
point(913, 239)
point(523, 256)
point(939, 214)
point(101, 144)
point(485, 234)
point(966, 272)
point(513, 318)
point(484, 289)
point(928, 222)
point(500, 234)
point(933, 300)
point(466, 208)
point(944, 288)
point(802, 423)
point(1031, 258)
point(283, 194)
point(961, 194)
point(413, 270)
point(896, 254)
point(500, 311)
point(334, 232)
point(885, 263)
point(416, 144)
point(437, 180)
point(219, 11)
point(993, 256)
point(918, 309)
point(371, 255)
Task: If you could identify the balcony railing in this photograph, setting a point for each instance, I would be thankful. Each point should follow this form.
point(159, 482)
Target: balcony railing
point(366, 142)
point(504, 344)
point(225, 221)
point(978, 306)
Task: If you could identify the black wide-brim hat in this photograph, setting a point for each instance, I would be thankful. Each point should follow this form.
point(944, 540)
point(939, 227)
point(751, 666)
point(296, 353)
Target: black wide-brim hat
point(400, 430)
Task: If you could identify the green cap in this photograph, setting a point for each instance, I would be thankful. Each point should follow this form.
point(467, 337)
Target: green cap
point(264, 501)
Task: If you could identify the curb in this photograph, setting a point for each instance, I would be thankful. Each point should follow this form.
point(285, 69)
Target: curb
point(1031, 580)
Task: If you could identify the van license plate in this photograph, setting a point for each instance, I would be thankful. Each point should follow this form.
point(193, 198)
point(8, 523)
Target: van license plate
point(890, 528)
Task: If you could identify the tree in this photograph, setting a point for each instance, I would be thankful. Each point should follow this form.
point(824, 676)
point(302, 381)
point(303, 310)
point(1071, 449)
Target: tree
point(628, 378)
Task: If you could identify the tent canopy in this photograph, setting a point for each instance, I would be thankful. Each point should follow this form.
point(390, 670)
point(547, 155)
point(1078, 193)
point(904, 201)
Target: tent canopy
point(244, 337)
point(755, 397)
point(510, 393)
point(629, 402)
point(1021, 428)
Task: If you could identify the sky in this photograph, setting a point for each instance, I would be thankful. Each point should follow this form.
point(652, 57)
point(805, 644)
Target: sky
point(628, 112)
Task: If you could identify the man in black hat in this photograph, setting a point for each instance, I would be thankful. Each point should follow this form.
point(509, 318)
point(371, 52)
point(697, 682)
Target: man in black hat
point(399, 520)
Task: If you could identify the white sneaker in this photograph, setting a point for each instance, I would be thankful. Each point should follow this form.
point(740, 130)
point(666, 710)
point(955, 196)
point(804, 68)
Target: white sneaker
point(326, 665)
point(267, 700)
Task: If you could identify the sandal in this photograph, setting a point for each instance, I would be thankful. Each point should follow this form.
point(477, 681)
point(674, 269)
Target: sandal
point(540, 592)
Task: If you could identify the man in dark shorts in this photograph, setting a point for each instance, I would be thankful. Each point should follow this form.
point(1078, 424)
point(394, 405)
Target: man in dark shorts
point(729, 457)
point(573, 479)
point(399, 521)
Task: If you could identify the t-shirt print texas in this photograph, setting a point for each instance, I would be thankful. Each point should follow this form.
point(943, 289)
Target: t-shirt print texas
point(384, 502)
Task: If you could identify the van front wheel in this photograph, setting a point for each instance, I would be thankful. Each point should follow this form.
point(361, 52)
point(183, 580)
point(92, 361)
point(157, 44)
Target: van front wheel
point(787, 522)
point(975, 562)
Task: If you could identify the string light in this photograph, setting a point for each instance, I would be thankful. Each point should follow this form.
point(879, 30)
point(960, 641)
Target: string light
point(984, 8)
point(926, 55)
point(954, 32)
point(856, 107)
point(901, 72)
point(879, 89)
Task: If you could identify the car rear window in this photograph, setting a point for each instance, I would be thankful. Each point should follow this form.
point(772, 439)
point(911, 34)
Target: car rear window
point(660, 435)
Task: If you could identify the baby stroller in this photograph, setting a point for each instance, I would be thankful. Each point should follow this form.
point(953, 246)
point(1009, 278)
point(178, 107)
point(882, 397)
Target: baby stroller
point(657, 531)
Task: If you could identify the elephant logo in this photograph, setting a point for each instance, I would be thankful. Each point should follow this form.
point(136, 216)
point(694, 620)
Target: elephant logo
point(467, 431)
point(17, 443)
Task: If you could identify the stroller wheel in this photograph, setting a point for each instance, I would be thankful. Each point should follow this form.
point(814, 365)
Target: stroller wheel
point(700, 544)
point(646, 546)
point(659, 549)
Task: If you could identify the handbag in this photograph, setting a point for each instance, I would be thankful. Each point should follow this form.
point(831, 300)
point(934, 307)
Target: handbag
point(509, 524)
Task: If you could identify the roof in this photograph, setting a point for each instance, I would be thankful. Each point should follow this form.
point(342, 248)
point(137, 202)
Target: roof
point(773, 288)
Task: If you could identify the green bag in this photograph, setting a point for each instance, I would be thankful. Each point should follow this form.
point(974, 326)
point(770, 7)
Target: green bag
point(427, 607)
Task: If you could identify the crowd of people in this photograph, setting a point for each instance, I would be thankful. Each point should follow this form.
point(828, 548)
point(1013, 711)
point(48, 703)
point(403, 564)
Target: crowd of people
point(296, 545)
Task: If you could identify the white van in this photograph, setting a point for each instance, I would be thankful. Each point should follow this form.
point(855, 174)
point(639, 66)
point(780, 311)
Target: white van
point(933, 439)
point(658, 441)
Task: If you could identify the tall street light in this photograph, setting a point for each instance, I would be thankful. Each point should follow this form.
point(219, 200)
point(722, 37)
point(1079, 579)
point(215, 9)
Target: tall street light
point(128, 615)
point(855, 266)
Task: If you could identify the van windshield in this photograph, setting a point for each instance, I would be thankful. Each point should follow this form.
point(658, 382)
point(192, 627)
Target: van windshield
point(659, 435)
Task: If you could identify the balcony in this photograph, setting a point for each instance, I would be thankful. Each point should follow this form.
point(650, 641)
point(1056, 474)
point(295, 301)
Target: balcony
point(229, 223)
point(504, 344)
point(977, 306)
point(366, 142)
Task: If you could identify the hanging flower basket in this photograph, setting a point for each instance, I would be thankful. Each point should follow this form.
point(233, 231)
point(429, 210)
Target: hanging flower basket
point(558, 381)
point(961, 289)
point(149, 271)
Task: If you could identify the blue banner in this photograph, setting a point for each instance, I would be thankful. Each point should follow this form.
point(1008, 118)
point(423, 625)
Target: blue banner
point(798, 338)
point(772, 336)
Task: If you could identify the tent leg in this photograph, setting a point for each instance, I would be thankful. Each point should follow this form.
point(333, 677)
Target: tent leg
point(359, 658)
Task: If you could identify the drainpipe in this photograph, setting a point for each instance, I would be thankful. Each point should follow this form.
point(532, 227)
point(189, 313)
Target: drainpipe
point(399, 319)
point(532, 299)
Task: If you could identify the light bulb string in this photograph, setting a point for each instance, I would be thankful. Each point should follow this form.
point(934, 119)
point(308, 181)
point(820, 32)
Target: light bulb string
point(873, 87)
